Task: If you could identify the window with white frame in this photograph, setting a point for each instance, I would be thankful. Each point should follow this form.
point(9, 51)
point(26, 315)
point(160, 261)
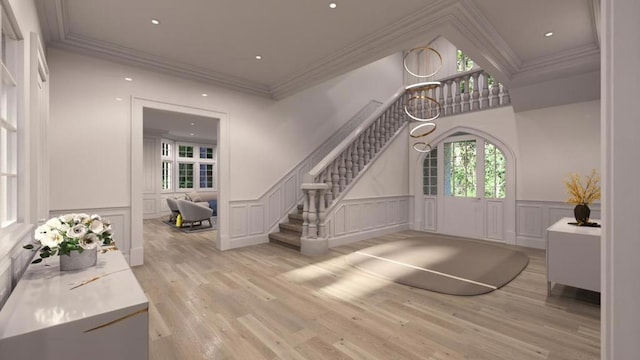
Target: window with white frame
point(8, 124)
point(193, 166)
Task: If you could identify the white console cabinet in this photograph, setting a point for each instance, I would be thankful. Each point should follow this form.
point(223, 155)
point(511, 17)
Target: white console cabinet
point(573, 255)
point(98, 313)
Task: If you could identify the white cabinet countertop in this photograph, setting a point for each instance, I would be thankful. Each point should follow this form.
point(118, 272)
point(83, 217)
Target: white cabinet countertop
point(87, 307)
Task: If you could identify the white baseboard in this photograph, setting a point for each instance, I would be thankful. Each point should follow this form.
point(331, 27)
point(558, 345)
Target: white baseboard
point(531, 242)
point(363, 235)
point(248, 241)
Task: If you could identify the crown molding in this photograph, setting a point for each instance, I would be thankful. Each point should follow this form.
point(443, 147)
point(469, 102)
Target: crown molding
point(566, 63)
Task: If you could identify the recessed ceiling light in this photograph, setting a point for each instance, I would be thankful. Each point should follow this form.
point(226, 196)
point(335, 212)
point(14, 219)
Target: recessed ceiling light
point(550, 33)
point(118, 99)
point(193, 124)
point(205, 95)
point(191, 134)
point(258, 57)
point(155, 21)
point(128, 79)
point(333, 5)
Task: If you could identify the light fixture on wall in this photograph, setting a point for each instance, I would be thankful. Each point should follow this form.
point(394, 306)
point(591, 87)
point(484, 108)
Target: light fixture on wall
point(419, 106)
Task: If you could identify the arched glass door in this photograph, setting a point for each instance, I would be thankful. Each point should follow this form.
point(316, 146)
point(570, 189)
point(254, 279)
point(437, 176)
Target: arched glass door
point(470, 202)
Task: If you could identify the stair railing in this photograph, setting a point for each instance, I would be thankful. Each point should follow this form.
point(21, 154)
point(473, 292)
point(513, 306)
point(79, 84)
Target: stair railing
point(329, 180)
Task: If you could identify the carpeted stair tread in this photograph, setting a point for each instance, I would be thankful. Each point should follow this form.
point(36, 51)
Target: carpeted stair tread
point(295, 218)
point(287, 239)
point(291, 227)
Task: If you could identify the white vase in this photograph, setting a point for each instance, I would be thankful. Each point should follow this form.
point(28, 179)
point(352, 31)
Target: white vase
point(79, 260)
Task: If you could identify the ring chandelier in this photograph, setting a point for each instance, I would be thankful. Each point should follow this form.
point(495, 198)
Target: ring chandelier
point(418, 103)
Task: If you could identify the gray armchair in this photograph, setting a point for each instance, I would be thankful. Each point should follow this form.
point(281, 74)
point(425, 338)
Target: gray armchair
point(193, 213)
point(173, 206)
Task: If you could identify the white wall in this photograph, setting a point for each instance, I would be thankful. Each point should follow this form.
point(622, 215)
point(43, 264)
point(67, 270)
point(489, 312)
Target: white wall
point(267, 138)
point(553, 142)
point(388, 175)
point(548, 144)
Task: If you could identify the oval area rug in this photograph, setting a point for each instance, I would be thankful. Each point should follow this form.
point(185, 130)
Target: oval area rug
point(443, 264)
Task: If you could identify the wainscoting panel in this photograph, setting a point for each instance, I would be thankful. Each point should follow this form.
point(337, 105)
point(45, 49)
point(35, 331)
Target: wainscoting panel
point(392, 212)
point(290, 192)
point(274, 202)
point(495, 220)
point(358, 219)
point(256, 216)
point(354, 217)
point(430, 214)
point(369, 222)
point(238, 220)
point(149, 206)
point(534, 217)
point(340, 221)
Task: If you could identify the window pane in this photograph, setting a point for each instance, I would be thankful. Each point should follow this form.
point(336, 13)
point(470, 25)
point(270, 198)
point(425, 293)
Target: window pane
point(460, 168)
point(185, 176)
point(166, 175)
point(429, 171)
point(206, 176)
point(206, 153)
point(166, 149)
point(495, 170)
point(185, 151)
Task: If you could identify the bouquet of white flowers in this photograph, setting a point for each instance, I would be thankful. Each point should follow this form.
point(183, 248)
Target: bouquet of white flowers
point(63, 234)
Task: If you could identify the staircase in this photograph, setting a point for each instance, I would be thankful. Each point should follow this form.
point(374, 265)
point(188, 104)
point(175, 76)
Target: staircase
point(290, 232)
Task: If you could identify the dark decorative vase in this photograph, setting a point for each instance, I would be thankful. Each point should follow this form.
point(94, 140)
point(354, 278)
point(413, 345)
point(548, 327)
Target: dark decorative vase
point(581, 212)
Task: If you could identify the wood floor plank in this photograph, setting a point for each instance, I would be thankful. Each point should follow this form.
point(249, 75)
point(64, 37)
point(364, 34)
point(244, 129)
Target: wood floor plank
point(269, 302)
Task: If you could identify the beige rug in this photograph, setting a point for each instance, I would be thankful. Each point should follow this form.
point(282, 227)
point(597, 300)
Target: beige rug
point(444, 264)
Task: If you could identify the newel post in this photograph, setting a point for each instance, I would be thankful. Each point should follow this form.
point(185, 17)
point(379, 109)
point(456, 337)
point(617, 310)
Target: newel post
point(314, 240)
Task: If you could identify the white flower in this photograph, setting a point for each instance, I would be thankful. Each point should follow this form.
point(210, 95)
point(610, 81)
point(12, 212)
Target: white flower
point(52, 240)
point(54, 223)
point(42, 231)
point(89, 242)
point(96, 217)
point(81, 219)
point(67, 218)
point(96, 226)
point(77, 232)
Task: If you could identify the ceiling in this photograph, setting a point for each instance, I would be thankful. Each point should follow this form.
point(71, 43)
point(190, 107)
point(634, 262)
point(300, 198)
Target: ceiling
point(180, 126)
point(303, 43)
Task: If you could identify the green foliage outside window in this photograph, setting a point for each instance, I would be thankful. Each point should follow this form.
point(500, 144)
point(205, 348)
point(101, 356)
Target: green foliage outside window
point(185, 176)
point(185, 151)
point(494, 172)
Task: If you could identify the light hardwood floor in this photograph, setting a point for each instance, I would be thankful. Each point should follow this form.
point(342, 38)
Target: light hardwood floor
point(269, 302)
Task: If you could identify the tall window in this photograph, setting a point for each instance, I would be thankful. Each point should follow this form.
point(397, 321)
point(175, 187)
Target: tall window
point(167, 164)
point(8, 125)
point(464, 62)
point(185, 176)
point(430, 173)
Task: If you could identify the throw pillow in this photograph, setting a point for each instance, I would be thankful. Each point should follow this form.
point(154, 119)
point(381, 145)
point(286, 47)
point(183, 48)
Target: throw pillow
point(194, 196)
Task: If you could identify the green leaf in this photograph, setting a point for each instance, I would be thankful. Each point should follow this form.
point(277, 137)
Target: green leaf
point(28, 246)
point(36, 261)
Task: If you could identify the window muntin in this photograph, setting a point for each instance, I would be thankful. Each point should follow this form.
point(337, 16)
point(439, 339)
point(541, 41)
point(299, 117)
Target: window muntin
point(185, 175)
point(206, 176)
point(494, 172)
point(430, 173)
point(185, 151)
point(206, 152)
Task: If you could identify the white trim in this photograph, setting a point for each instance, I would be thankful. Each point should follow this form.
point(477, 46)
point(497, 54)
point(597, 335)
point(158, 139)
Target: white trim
point(136, 176)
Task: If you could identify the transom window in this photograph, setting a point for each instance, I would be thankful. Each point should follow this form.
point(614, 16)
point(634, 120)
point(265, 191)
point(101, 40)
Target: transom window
point(185, 151)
